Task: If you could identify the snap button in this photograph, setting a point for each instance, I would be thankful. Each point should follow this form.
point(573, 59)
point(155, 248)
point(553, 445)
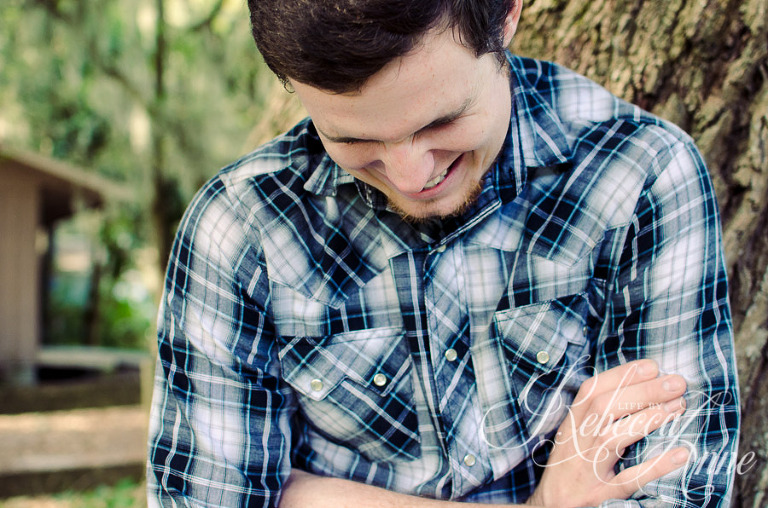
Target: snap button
point(469, 460)
point(542, 357)
point(451, 355)
point(379, 379)
point(316, 385)
point(584, 331)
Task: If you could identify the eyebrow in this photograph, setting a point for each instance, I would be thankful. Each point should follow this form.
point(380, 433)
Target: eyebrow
point(443, 120)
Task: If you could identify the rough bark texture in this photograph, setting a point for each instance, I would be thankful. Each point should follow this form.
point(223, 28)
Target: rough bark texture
point(702, 64)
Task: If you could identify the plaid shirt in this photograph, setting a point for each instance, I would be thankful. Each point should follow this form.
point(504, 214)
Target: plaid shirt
point(306, 325)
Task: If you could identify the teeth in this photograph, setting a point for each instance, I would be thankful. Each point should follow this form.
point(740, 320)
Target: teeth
point(436, 180)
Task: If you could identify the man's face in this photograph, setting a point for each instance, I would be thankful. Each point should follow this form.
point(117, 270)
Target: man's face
point(423, 130)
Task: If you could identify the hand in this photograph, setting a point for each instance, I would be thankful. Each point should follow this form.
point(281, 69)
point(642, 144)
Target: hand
point(610, 412)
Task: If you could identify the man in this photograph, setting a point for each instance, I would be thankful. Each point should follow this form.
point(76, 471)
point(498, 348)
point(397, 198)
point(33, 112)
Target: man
point(403, 300)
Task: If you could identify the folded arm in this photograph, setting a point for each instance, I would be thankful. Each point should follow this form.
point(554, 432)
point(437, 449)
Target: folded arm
point(219, 429)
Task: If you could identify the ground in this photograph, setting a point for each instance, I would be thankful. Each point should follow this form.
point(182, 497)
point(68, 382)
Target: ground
point(73, 451)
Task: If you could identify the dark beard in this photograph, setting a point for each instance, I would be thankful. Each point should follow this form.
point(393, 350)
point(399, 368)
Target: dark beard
point(470, 200)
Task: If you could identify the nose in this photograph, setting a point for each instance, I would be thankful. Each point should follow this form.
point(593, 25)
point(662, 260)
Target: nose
point(408, 165)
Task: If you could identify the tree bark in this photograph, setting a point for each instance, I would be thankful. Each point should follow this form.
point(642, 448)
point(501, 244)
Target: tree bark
point(702, 64)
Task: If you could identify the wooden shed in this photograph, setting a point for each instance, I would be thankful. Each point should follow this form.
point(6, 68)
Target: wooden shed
point(35, 193)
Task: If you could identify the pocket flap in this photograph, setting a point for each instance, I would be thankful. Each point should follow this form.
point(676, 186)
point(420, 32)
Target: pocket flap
point(537, 335)
point(315, 366)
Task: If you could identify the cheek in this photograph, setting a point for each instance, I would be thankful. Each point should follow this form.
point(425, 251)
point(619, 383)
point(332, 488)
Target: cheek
point(467, 137)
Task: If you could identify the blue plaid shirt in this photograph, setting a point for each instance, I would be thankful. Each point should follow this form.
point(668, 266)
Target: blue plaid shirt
point(306, 325)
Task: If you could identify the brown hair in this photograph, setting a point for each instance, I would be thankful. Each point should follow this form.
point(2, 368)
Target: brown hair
point(337, 45)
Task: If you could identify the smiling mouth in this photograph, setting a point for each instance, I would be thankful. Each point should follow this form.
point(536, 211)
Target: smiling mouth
point(439, 178)
point(436, 180)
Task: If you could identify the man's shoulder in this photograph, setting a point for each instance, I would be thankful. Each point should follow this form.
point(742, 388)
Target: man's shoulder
point(283, 165)
point(581, 103)
point(263, 179)
point(615, 149)
point(292, 150)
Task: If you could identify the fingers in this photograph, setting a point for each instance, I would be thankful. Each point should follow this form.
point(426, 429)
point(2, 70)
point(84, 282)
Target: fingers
point(628, 400)
point(624, 390)
point(653, 393)
point(605, 444)
point(621, 406)
point(612, 411)
point(634, 478)
point(615, 378)
point(629, 430)
point(633, 427)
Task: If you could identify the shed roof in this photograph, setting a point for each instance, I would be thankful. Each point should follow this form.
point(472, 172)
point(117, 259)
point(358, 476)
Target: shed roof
point(62, 184)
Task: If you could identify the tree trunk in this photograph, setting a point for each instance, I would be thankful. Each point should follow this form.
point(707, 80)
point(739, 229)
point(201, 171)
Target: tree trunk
point(702, 64)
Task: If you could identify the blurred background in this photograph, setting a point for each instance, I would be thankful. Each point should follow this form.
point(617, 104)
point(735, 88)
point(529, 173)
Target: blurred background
point(112, 114)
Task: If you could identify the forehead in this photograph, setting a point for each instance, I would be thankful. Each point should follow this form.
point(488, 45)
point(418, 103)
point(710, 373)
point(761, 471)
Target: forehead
point(434, 80)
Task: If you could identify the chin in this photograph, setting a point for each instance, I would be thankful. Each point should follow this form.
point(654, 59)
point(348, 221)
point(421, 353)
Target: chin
point(437, 210)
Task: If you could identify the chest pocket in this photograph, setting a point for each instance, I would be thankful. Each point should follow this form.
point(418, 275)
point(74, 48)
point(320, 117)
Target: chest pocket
point(546, 352)
point(356, 390)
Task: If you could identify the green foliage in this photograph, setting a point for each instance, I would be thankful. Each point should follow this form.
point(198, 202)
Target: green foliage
point(158, 103)
point(106, 301)
point(79, 75)
point(125, 494)
point(126, 306)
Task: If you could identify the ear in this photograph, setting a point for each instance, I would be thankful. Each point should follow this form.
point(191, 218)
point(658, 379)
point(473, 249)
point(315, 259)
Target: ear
point(510, 24)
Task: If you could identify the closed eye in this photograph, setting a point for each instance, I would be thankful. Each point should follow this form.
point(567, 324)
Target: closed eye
point(436, 124)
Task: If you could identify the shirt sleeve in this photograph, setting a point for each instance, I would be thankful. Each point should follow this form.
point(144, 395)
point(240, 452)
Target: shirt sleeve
point(669, 302)
point(219, 429)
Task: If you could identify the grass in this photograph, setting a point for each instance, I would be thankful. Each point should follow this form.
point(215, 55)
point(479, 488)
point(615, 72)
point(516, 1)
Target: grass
point(125, 494)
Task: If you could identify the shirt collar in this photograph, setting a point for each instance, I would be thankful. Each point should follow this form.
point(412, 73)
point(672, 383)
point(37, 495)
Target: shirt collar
point(325, 175)
point(541, 139)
